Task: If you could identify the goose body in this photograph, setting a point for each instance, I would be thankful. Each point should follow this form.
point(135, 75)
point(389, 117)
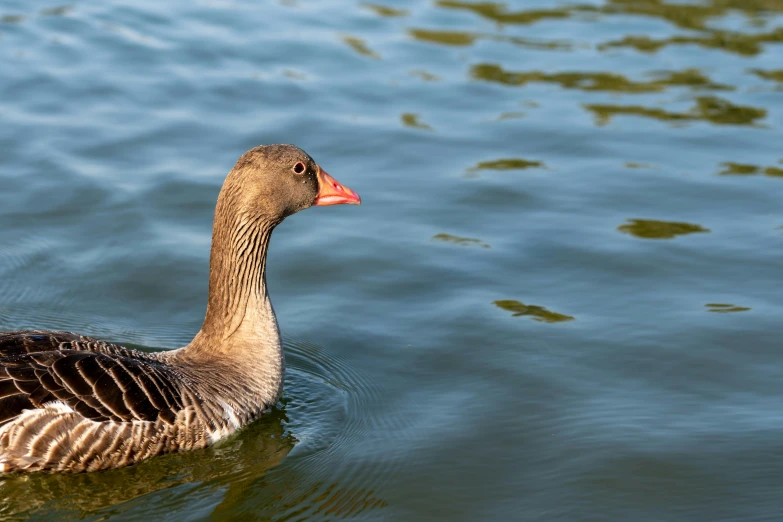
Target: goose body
point(70, 403)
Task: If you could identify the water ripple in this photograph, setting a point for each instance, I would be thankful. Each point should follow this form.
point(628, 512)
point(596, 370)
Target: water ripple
point(332, 411)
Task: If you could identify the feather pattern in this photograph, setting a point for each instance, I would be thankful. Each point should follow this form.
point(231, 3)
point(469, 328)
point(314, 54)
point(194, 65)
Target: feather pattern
point(70, 403)
point(73, 403)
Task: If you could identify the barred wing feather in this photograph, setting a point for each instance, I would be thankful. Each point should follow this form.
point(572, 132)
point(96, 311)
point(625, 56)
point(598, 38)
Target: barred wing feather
point(118, 385)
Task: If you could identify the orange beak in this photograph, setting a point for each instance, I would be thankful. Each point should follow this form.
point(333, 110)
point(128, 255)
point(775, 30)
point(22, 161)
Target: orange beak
point(331, 192)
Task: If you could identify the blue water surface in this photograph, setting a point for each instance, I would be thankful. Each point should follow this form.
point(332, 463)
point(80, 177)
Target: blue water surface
point(560, 299)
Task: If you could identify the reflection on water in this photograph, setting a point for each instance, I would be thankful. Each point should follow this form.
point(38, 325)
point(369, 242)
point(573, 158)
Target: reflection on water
point(294, 75)
point(731, 168)
point(537, 313)
point(56, 11)
point(720, 308)
point(424, 75)
point(465, 38)
point(583, 81)
point(358, 45)
point(652, 229)
point(383, 10)
point(507, 164)
point(443, 37)
point(723, 112)
point(11, 19)
point(635, 165)
point(458, 240)
point(412, 120)
point(692, 78)
point(586, 81)
point(738, 169)
point(689, 15)
point(513, 115)
point(605, 112)
point(739, 43)
point(707, 108)
point(498, 12)
point(775, 75)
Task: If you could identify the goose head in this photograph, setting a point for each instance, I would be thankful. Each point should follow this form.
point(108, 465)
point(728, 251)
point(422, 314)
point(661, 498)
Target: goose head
point(276, 181)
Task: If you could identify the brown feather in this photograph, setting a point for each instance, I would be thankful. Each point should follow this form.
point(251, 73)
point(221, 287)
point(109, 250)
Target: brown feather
point(74, 403)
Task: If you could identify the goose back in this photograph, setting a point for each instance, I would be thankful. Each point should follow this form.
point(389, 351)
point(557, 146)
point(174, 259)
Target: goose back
point(79, 404)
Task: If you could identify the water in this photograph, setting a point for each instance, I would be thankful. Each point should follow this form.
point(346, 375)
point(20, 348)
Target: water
point(560, 300)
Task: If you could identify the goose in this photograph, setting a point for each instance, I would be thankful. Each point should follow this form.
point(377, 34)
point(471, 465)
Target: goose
point(70, 403)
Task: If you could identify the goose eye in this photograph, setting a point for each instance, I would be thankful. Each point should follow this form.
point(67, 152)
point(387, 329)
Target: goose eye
point(299, 167)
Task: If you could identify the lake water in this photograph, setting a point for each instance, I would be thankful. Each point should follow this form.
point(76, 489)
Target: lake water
point(561, 299)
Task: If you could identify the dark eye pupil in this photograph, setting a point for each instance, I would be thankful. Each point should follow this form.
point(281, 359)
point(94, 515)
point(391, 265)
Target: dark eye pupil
point(299, 167)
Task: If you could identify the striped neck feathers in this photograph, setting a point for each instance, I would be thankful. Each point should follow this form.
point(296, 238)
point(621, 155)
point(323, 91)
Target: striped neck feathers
point(239, 311)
